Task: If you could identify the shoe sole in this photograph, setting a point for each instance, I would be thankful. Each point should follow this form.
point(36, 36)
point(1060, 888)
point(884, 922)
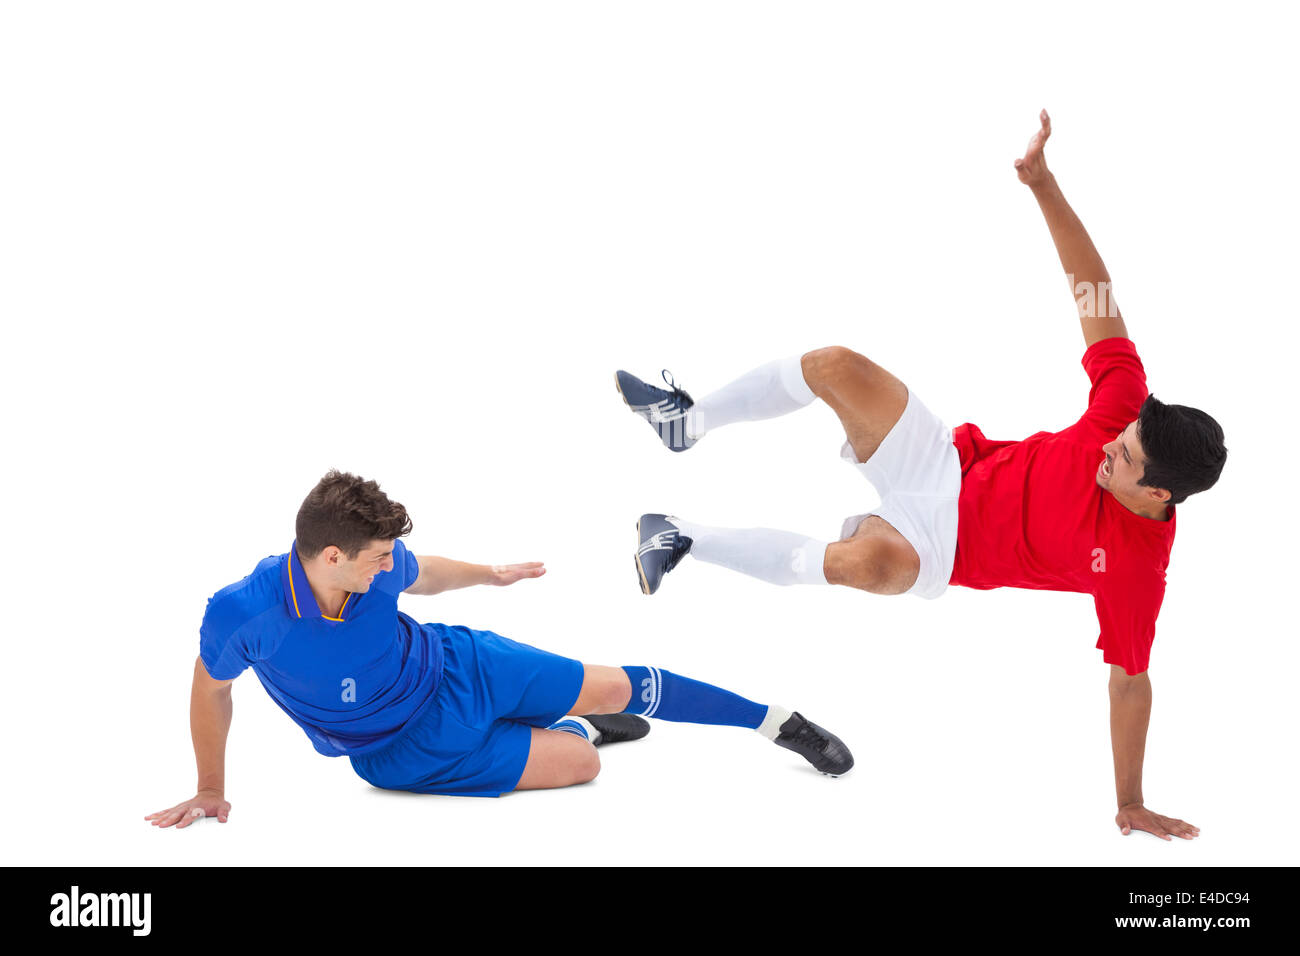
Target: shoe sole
point(645, 583)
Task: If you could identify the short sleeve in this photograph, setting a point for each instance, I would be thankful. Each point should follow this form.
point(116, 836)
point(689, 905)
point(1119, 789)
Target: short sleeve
point(1119, 387)
point(409, 565)
point(223, 652)
point(1127, 614)
point(406, 568)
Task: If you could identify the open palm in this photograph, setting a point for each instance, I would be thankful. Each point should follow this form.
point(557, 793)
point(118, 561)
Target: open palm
point(510, 573)
point(1032, 169)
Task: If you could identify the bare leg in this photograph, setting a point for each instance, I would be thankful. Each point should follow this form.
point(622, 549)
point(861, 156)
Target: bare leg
point(560, 759)
point(605, 690)
point(877, 559)
point(869, 402)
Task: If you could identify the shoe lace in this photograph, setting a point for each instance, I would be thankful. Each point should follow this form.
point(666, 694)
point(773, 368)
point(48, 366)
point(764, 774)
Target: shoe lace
point(678, 393)
point(680, 548)
point(808, 734)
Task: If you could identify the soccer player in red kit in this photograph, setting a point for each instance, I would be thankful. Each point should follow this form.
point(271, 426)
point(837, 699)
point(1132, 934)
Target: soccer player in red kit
point(1089, 509)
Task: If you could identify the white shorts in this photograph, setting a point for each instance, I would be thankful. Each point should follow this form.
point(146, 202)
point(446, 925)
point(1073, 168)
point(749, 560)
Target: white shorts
point(917, 473)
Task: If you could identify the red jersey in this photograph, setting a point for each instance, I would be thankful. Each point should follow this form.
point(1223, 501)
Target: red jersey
point(1031, 514)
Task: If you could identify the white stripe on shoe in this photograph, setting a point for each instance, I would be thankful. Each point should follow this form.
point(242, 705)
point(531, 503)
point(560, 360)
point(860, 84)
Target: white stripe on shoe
point(661, 412)
point(660, 541)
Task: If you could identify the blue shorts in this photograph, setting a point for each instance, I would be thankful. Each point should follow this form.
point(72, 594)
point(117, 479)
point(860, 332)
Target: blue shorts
point(473, 738)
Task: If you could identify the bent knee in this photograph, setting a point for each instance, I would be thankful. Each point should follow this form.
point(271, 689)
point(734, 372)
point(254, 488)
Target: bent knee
point(586, 767)
point(873, 563)
point(615, 694)
point(606, 690)
point(823, 367)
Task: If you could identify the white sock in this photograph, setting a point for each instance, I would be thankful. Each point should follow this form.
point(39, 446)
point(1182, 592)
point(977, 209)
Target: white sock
point(771, 725)
point(778, 557)
point(578, 726)
point(593, 734)
point(776, 388)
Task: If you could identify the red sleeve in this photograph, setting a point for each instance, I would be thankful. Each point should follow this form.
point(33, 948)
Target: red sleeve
point(972, 446)
point(1126, 610)
point(1119, 387)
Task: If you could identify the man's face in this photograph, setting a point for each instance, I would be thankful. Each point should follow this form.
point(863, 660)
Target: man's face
point(1124, 464)
point(357, 575)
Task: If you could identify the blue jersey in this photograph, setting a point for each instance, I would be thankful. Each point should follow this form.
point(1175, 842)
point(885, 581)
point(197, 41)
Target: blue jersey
point(351, 682)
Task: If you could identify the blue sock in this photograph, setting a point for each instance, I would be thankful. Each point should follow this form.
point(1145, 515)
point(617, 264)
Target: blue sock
point(668, 696)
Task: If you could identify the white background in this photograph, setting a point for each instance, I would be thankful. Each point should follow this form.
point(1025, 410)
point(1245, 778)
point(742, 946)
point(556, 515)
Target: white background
point(247, 242)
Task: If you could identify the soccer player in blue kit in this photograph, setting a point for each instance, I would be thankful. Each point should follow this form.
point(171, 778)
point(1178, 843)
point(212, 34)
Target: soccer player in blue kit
point(430, 708)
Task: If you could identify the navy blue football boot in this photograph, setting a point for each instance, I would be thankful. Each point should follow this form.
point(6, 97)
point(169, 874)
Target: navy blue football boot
point(660, 546)
point(817, 745)
point(665, 410)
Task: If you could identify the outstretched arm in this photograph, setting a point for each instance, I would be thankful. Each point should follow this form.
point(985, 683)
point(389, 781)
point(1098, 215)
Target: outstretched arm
point(1089, 280)
point(444, 574)
point(1130, 712)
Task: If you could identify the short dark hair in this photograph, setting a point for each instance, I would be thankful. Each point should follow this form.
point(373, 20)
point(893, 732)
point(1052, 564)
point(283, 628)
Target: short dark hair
point(349, 513)
point(1184, 448)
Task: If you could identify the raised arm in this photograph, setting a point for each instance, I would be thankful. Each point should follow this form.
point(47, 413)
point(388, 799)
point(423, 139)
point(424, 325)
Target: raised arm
point(210, 712)
point(444, 574)
point(1086, 273)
